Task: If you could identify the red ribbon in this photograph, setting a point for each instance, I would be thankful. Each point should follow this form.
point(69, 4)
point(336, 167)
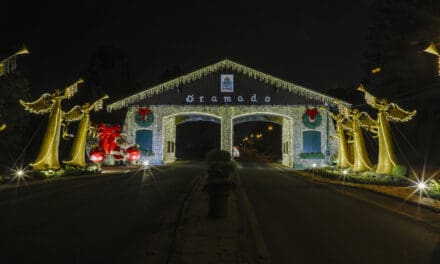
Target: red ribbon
point(107, 137)
point(143, 112)
point(312, 113)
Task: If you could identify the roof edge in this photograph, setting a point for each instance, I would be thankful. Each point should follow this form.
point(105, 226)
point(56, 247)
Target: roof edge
point(224, 64)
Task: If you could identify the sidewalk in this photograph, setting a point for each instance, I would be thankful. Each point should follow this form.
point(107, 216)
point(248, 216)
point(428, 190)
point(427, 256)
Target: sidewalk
point(203, 240)
point(200, 239)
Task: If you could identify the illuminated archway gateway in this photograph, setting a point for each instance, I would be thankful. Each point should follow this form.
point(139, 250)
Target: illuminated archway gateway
point(228, 91)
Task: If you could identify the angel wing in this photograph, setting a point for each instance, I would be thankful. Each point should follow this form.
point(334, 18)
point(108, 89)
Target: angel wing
point(366, 121)
point(347, 123)
point(74, 114)
point(41, 106)
point(395, 113)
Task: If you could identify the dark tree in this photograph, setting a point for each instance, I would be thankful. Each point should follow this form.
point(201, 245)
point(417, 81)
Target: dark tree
point(400, 31)
point(13, 86)
point(110, 72)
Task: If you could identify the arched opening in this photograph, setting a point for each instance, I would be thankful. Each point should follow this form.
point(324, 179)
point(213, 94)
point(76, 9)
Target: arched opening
point(258, 138)
point(196, 135)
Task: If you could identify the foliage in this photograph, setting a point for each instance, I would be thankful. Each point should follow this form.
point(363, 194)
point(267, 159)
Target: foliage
point(399, 32)
point(366, 177)
point(49, 174)
point(220, 167)
point(4, 179)
point(109, 71)
point(434, 189)
point(90, 169)
point(434, 185)
point(311, 155)
point(399, 171)
point(13, 86)
point(218, 156)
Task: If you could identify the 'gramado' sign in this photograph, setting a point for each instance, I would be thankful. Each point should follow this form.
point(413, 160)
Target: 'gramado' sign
point(226, 86)
point(194, 99)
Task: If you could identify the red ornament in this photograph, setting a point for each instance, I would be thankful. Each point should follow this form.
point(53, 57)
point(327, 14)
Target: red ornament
point(133, 153)
point(311, 113)
point(143, 112)
point(97, 155)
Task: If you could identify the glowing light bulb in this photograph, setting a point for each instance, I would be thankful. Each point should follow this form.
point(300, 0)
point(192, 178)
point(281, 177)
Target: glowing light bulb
point(421, 185)
point(314, 165)
point(345, 172)
point(146, 163)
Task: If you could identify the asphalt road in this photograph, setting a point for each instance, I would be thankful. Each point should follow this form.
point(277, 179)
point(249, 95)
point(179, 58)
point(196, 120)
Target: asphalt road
point(125, 218)
point(305, 222)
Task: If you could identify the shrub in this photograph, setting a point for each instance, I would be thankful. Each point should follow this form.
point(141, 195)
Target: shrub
point(220, 166)
point(218, 155)
point(367, 177)
point(311, 155)
point(399, 171)
point(434, 186)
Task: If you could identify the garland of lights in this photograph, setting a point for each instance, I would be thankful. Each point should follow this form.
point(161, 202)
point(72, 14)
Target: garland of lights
point(224, 64)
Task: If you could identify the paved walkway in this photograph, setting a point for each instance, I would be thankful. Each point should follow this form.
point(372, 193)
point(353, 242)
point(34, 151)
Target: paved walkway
point(200, 239)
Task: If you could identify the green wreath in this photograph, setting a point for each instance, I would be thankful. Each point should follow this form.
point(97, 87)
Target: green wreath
point(144, 123)
point(310, 124)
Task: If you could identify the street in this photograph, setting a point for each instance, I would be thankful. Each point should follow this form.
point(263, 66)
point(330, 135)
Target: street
point(131, 217)
point(305, 222)
point(103, 219)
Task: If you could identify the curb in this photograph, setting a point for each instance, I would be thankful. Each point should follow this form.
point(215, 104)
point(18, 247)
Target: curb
point(321, 179)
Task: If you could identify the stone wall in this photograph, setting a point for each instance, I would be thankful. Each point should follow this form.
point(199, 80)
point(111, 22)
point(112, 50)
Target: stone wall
point(292, 131)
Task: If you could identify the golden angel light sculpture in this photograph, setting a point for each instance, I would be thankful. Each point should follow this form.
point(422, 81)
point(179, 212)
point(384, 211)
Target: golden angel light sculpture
point(381, 128)
point(10, 63)
point(77, 154)
point(47, 158)
point(344, 159)
point(353, 121)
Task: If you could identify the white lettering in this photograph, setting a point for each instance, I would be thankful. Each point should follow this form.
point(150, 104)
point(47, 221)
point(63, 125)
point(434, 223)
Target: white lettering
point(201, 99)
point(190, 98)
point(240, 99)
point(267, 99)
point(226, 99)
point(254, 98)
point(214, 99)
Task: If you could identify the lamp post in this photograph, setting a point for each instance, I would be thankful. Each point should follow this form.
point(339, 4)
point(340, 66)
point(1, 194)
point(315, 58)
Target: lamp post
point(9, 64)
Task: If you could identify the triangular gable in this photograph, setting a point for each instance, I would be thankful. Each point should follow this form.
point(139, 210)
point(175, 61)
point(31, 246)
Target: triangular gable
point(222, 65)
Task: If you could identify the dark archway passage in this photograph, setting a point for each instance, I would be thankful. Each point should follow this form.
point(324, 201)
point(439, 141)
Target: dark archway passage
point(195, 138)
point(258, 141)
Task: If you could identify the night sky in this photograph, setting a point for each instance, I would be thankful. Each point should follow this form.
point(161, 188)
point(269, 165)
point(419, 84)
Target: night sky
point(314, 43)
point(319, 44)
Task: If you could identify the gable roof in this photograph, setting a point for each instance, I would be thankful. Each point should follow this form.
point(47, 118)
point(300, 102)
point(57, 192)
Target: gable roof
point(224, 64)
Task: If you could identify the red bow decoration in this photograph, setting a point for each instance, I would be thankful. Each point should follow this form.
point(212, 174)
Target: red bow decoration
point(312, 113)
point(143, 112)
point(107, 137)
